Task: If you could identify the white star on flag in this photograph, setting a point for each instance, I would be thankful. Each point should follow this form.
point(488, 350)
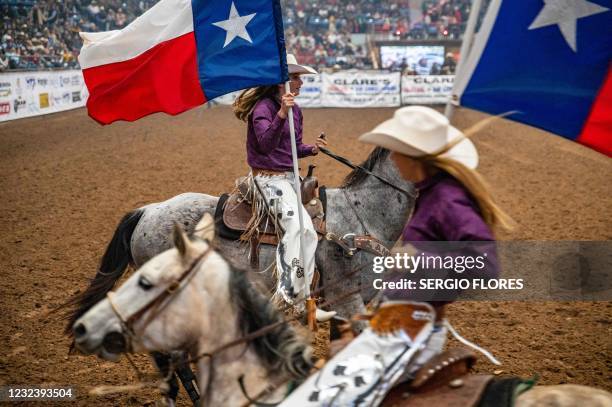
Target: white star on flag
point(565, 14)
point(235, 26)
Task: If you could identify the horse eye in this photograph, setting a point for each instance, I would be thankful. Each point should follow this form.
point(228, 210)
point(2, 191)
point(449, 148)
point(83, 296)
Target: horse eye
point(144, 283)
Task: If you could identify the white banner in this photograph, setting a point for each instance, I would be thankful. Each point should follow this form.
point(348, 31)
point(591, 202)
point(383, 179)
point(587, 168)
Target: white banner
point(361, 89)
point(26, 94)
point(310, 93)
point(426, 89)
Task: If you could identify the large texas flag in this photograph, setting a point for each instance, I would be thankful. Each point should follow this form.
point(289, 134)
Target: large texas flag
point(550, 60)
point(180, 54)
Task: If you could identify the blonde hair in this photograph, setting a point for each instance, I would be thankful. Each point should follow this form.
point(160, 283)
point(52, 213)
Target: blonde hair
point(244, 104)
point(491, 213)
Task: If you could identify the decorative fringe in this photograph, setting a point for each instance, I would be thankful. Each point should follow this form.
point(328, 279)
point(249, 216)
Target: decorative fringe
point(259, 216)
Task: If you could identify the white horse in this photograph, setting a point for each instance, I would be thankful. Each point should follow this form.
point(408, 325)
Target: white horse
point(190, 298)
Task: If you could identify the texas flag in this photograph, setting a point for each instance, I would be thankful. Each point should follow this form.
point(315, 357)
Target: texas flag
point(180, 54)
point(549, 60)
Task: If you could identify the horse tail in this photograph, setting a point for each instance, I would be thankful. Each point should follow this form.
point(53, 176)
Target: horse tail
point(114, 262)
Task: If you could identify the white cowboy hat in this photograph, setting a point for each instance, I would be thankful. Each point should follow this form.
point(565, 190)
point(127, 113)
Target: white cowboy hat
point(416, 131)
point(294, 67)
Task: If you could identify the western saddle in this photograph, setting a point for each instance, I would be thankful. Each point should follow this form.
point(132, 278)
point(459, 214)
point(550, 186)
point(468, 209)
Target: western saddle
point(235, 212)
point(444, 380)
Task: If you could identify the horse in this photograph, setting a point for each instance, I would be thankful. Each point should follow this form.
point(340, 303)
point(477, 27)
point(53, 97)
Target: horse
point(363, 205)
point(214, 303)
point(190, 297)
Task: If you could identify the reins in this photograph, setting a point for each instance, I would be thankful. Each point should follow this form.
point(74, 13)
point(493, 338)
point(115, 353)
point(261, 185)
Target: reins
point(247, 338)
point(174, 286)
point(349, 164)
point(269, 328)
point(156, 302)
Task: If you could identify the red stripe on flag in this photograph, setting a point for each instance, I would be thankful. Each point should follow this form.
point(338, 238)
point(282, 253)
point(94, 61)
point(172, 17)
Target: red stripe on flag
point(162, 79)
point(597, 131)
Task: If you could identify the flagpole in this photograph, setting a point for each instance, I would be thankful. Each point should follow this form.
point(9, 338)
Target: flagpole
point(298, 193)
point(466, 46)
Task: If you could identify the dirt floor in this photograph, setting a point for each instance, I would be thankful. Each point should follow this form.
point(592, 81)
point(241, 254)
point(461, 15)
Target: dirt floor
point(65, 182)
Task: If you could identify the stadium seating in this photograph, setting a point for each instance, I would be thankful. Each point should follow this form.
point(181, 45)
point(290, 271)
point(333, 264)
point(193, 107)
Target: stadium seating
point(43, 34)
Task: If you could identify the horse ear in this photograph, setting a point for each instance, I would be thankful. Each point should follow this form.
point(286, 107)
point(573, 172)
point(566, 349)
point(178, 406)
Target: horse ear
point(181, 241)
point(205, 228)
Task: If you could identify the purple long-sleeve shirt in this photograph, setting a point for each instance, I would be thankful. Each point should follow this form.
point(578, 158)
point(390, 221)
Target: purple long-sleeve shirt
point(269, 140)
point(446, 212)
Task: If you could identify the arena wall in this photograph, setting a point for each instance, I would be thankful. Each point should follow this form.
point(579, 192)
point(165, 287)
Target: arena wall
point(26, 94)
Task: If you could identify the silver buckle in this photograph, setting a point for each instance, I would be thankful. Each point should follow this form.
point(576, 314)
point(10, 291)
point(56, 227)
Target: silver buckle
point(349, 240)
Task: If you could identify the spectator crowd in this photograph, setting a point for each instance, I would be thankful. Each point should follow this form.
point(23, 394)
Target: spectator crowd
point(322, 32)
point(41, 34)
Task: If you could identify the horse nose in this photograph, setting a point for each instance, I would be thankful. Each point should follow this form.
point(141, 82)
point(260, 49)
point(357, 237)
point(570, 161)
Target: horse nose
point(79, 331)
point(114, 342)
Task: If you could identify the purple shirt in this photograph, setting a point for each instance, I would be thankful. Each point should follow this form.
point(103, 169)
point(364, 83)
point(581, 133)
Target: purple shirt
point(269, 140)
point(445, 211)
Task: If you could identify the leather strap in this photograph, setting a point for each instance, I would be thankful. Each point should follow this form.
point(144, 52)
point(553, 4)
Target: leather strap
point(372, 245)
point(466, 391)
point(254, 251)
point(348, 163)
point(351, 244)
point(443, 368)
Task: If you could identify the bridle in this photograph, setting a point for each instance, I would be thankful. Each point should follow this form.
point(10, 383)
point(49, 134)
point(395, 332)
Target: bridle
point(156, 303)
point(348, 163)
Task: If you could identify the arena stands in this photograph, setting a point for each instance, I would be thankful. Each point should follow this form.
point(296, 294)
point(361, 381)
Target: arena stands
point(332, 34)
point(39, 34)
point(323, 33)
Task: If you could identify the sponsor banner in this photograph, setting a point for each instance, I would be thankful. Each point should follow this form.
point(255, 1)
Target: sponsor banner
point(26, 94)
point(5, 108)
point(426, 89)
point(361, 89)
point(311, 91)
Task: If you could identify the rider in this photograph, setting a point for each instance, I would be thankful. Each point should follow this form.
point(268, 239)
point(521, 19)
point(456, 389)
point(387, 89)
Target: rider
point(268, 143)
point(453, 204)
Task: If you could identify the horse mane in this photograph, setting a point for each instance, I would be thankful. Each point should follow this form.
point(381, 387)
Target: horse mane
point(280, 349)
point(358, 176)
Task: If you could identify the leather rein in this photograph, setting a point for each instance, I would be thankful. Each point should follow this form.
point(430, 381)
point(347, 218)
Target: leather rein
point(349, 164)
point(156, 303)
point(351, 243)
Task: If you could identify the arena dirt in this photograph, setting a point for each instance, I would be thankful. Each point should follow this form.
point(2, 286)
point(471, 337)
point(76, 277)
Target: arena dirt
point(66, 181)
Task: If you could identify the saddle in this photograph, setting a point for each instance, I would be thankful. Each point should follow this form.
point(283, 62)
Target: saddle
point(442, 381)
point(234, 214)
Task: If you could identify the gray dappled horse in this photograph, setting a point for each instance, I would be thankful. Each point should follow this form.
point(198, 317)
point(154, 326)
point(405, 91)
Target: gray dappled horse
point(375, 208)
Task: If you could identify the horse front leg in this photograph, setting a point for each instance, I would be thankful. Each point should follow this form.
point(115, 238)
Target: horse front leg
point(341, 280)
point(178, 361)
point(163, 364)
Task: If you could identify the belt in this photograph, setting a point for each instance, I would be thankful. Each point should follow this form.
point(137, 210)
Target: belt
point(259, 171)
